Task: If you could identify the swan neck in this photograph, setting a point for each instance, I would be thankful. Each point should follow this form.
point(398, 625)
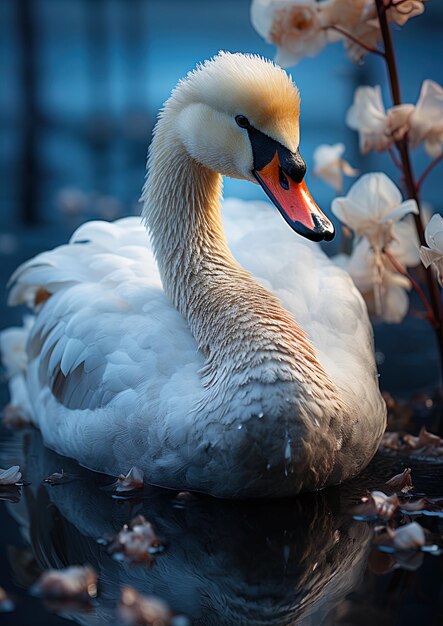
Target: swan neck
point(245, 334)
point(183, 215)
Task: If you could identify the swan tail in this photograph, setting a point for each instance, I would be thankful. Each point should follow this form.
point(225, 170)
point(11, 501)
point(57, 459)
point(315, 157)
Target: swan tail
point(14, 359)
point(96, 249)
point(33, 282)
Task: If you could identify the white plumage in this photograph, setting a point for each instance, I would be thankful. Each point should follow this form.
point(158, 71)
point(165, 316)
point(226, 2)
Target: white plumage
point(200, 388)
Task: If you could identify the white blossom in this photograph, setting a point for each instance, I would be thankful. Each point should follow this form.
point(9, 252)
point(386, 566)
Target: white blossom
point(301, 28)
point(371, 207)
point(295, 27)
point(383, 288)
point(400, 11)
point(398, 121)
point(426, 120)
point(405, 246)
point(397, 11)
point(367, 115)
point(377, 128)
point(433, 253)
point(374, 210)
point(366, 31)
point(330, 166)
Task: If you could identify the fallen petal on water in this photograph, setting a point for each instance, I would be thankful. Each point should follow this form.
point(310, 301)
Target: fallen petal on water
point(414, 506)
point(72, 583)
point(401, 482)
point(425, 438)
point(185, 496)
point(385, 505)
point(57, 478)
point(137, 542)
point(378, 504)
point(409, 537)
point(138, 610)
point(6, 603)
point(130, 482)
point(10, 476)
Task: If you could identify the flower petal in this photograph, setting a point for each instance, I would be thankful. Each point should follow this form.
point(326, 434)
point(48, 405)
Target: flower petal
point(361, 266)
point(376, 194)
point(408, 206)
point(371, 200)
point(131, 481)
point(409, 536)
point(398, 120)
point(395, 304)
point(75, 582)
point(348, 170)
point(429, 256)
point(367, 112)
point(400, 11)
point(286, 58)
point(294, 27)
point(435, 258)
point(434, 233)
point(326, 154)
point(434, 146)
point(426, 120)
point(329, 166)
point(405, 244)
point(10, 476)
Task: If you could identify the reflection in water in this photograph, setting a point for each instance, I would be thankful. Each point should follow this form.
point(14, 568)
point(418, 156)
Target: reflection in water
point(273, 563)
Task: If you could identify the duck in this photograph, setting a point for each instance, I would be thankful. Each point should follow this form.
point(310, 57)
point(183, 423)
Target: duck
point(210, 346)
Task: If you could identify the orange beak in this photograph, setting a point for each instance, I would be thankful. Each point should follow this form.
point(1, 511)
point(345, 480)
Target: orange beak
point(294, 201)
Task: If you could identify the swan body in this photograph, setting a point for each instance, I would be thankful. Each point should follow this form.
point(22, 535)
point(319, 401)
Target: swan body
point(242, 371)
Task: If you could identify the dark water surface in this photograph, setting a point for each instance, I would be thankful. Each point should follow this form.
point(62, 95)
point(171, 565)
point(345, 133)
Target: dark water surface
point(303, 561)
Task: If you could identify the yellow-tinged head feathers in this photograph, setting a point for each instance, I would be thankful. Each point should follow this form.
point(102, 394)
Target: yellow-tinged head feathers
point(246, 84)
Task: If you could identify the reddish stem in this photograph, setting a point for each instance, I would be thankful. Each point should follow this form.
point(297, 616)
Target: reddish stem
point(411, 187)
point(393, 156)
point(426, 171)
point(355, 40)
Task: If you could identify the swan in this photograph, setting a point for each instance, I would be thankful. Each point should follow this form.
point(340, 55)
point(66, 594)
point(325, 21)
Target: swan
point(240, 372)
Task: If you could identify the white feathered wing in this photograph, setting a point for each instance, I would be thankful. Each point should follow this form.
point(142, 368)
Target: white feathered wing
point(113, 370)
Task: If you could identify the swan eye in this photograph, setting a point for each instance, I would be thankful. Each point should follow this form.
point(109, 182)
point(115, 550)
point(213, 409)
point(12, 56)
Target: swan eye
point(242, 121)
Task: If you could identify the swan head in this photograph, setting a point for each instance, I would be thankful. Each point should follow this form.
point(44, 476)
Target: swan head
point(238, 115)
